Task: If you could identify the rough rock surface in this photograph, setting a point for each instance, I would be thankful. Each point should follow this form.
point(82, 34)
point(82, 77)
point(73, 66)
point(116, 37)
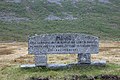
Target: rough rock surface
point(52, 17)
point(55, 1)
point(9, 17)
point(104, 1)
point(65, 16)
point(14, 1)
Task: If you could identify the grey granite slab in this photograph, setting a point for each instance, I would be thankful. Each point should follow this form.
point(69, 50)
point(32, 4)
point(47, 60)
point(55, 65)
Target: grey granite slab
point(63, 43)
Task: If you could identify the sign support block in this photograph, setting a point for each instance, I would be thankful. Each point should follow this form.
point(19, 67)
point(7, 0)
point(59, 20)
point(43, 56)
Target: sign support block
point(84, 58)
point(40, 60)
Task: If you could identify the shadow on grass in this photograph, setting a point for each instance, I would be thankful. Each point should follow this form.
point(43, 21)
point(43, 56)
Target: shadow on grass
point(68, 72)
point(76, 73)
point(86, 68)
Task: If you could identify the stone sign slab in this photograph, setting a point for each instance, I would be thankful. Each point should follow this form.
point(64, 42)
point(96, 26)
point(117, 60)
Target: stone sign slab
point(72, 43)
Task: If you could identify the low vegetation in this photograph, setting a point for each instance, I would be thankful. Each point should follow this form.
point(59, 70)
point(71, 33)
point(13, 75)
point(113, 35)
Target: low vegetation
point(17, 73)
point(29, 17)
point(95, 18)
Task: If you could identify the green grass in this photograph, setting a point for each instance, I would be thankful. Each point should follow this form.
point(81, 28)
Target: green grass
point(97, 19)
point(17, 73)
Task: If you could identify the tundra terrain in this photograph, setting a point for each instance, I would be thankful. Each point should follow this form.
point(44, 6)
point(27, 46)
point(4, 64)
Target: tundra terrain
point(16, 53)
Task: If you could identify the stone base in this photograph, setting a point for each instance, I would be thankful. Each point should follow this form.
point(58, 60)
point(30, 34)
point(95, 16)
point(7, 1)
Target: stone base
point(27, 65)
point(99, 63)
point(48, 66)
point(54, 66)
point(94, 63)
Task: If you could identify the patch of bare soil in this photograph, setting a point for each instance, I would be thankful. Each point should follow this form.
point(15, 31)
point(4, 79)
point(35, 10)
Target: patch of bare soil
point(27, 59)
point(11, 51)
point(109, 51)
point(6, 51)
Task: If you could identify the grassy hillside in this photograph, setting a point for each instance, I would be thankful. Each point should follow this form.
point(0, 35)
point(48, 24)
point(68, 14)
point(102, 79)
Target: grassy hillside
point(95, 18)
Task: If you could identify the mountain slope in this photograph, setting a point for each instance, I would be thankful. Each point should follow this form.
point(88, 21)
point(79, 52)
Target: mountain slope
point(28, 17)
